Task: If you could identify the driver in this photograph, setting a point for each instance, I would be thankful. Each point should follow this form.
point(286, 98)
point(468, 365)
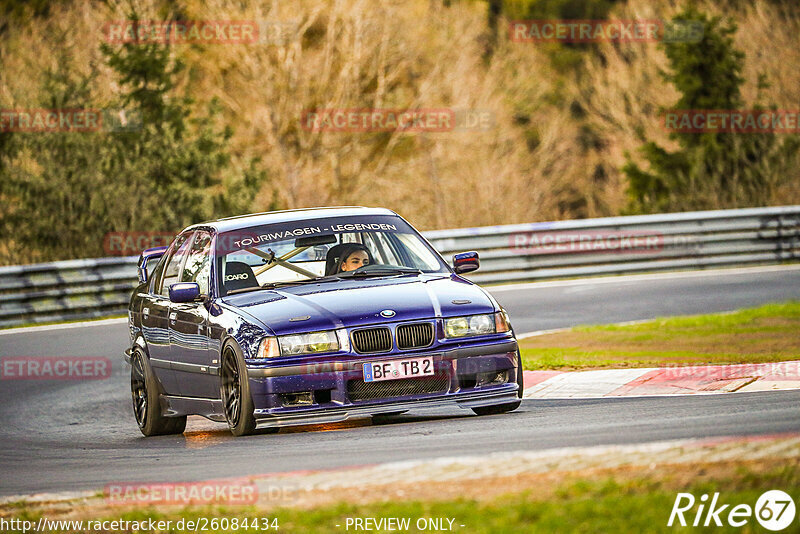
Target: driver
point(349, 257)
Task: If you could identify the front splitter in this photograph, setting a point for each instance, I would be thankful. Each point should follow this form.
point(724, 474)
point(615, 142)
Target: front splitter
point(498, 395)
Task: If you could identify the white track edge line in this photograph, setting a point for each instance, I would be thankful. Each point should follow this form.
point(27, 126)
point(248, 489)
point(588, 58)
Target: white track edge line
point(62, 326)
point(613, 279)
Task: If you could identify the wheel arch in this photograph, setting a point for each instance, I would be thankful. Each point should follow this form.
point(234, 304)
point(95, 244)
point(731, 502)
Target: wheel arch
point(140, 343)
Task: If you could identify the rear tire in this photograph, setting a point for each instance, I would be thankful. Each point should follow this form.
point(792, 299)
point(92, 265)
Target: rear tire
point(508, 407)
point(146, 401)
point(237, 403)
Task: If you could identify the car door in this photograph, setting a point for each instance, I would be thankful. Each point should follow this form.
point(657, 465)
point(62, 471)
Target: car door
point(194, 369)
point(155, 314)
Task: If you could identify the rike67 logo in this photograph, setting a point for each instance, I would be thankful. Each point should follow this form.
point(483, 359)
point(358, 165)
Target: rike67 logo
point(774, 510)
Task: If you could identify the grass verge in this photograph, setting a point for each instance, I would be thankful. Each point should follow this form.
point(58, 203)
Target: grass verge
point(769, 333)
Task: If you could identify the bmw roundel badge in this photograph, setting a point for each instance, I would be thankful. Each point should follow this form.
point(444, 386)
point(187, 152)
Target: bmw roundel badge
point(387, 313)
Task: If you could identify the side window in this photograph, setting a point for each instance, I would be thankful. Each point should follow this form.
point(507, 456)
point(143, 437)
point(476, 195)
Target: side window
point(381, 248)
point(155, 278)
point(198, 264)
point(174, 262)
point(420, 256)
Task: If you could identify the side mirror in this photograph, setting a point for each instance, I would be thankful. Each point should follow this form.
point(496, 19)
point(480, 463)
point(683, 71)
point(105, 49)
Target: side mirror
point(184, 292)
point(466, 262)
point(147, 256)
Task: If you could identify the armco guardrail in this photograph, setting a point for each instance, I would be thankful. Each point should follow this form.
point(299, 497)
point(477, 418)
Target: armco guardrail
point(511, 253)
point(616, 245)
point(66, 290)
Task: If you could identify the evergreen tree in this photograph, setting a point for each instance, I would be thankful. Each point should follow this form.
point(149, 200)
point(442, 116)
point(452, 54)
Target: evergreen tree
point(155, 166)
point(714, 169)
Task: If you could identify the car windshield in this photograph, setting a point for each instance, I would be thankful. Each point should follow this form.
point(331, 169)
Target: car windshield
point(304, 251)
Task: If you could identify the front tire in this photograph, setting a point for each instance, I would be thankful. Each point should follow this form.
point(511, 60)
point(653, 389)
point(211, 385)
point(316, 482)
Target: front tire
point(146, 402)
point(508, 407)
point(237, 403)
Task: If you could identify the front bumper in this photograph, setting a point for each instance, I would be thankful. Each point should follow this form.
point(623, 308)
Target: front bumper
point(462, 377)
point(498, 395)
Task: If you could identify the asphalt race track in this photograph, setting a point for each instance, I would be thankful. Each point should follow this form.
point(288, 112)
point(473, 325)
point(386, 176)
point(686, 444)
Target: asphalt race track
point(71, 435)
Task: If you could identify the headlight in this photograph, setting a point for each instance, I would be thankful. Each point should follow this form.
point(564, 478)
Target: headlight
point(313, 342)
point(310, 343)
point(476, 325)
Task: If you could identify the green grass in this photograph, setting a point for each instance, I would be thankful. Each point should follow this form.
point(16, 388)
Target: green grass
point(767, 333)
point(710, 323)
point(632, 503)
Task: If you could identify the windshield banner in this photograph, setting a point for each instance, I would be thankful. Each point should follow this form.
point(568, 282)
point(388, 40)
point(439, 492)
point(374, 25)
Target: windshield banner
point(245, 238)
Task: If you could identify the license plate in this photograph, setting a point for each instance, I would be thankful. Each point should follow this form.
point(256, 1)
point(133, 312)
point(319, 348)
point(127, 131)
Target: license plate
point(396, 369)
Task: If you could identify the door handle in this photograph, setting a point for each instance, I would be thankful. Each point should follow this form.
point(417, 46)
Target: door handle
point(172, 317)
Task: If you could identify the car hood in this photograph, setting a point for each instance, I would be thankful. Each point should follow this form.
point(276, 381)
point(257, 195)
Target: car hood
point(349, 303)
